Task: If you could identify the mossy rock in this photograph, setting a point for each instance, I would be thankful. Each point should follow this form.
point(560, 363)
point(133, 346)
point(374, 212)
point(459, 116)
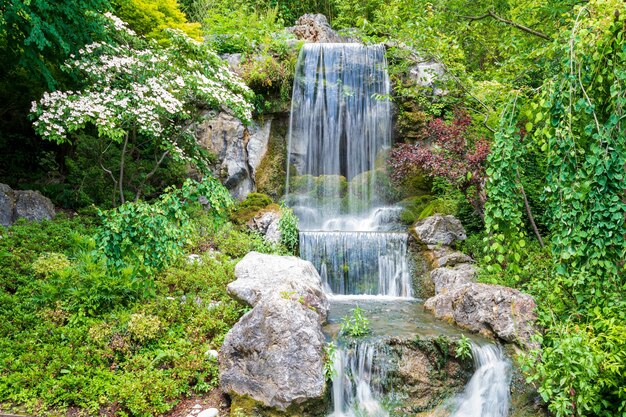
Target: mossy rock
point(413, 207)
point(331, 185)
point(244, 406)
point(300, 184)
point(416, 183)
point(249, 207)
point(377, 181)
point(271, 174)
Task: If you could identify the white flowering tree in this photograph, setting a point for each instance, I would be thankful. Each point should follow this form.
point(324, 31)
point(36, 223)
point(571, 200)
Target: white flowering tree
point(136, 91)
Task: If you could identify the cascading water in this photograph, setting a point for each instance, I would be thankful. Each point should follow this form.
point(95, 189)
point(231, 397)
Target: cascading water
point(370, 263)
point(357, 382)
point(487, 393)
point(339, 125)
point(340, 128)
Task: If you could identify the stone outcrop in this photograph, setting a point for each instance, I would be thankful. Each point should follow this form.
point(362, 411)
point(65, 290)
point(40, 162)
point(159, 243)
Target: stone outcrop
point(239, 149)
point(267, 224)
point(424, 371)
point(491, 310)
point(315, 28)
point(26, 204)
point(440, 230)
point(454, 296)
point(260, 276)
point(274, 354)
point(426, 74)
point(446, 278)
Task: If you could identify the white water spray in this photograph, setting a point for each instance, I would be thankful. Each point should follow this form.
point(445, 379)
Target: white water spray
point(487, 393)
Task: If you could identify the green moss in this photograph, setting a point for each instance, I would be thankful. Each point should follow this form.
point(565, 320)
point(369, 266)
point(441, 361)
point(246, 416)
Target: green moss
point(271, 174)
point(244, 406)
point(249, 207)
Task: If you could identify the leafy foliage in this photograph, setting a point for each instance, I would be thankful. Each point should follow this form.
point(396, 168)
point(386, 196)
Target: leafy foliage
point(355, 324)
point(464, 348)
point(154, 235)
point(288, 226)
point(152, 18)
point(446, 150)
point(139, 93)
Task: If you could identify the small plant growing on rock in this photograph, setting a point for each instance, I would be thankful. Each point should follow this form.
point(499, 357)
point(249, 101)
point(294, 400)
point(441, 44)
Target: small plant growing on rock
point(288, 226)
point(330, 350)
point(355, 324)
point(463, 349)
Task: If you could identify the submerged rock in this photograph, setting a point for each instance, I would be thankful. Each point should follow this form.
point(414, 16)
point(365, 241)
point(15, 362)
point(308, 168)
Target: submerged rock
point(491, 310)
point(27, 204)
point(260, 276)
point(440, 230)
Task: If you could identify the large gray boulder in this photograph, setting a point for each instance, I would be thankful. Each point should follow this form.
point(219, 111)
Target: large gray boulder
point(315, 28)
point(17, 204)
point(239, 149)
point(439, 230)
point(260, 276)
point(274, 354)
point(491, 310)
point(446, 279)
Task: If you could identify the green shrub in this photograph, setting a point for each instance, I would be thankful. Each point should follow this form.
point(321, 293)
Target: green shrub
point(249, 207)
point(144, 327)
point(288, 226)
point(50, 263)
point(355, 324)
point(152, 236)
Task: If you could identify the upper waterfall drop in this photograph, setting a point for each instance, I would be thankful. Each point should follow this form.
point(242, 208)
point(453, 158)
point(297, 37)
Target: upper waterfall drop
point(340, 123)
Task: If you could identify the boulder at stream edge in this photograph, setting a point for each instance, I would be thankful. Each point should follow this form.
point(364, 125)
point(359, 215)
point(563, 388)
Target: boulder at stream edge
point(272, 360)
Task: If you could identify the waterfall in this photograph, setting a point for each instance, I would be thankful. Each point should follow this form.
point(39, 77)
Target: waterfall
point(339, 131)
point(370, 263)
point(339, 125)
point(340, 128)
point(487, 393)
point(357, 382)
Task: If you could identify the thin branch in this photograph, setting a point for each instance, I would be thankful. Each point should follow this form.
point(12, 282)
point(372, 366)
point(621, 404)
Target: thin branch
point(529, 213)
point(523, 28)
point(151, 173)
point(122, 157)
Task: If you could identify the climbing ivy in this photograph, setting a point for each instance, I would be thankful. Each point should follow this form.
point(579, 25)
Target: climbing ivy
point(584, 136)
point(504, 207)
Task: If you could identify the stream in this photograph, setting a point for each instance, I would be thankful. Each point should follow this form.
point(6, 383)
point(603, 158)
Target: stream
point(340, 128)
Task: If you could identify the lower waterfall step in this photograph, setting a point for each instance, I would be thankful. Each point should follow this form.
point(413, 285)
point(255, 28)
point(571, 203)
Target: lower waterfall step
point(370, 263)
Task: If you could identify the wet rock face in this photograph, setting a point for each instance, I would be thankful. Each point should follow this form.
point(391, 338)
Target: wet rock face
point(274, 355)
point(239, 149)
point(315, 28)
point(17, 204)
point(425, 371)
point(491, 310)
point(440, 230)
